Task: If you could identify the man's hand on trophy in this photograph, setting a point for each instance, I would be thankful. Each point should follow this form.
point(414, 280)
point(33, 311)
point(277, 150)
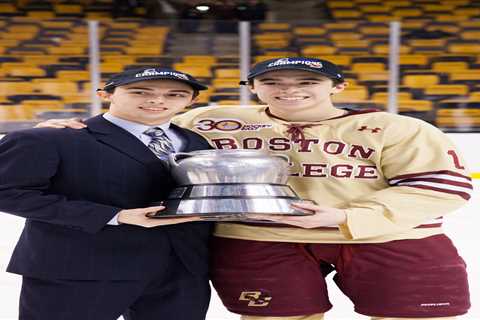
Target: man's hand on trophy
point(74, 123)
point(138, 217)
point(322, 216)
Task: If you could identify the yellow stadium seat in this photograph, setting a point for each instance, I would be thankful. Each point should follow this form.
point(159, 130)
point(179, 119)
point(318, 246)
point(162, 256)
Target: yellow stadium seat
point(269, 44)
point(465, 75)
point(469, 24)
point(227, 73)
point(415, 105)
point(407, 13)
point(384, 49)
point(373, 67)
point(341, 60)
point(14, 112)
point(420, 80)
point(194, 70)
point(18, 35)
point(67, 50)
point(413, 59)
point(279, 53)
point(120, 59)
point(379, 18)
point(470, 35)
point(449, 18)
point(351, 93)
point(272, 55)
point(318, 50)
point(340, 36)
point(41, 59)
point(41, 14)
point(454, 66)
point(199, 59)
point(397, 3)
point(340, 4)
point(428, 42)
point(40, 105)
point(27, 72)
point(374, 76)
point(414, 24)
point(369, 9)
point(309, 31)
point(70, 99)
point(346, 14)
point(272, 36)
point(459, 118)
point(67, 8)
point(436, 7)
point(466, 12)
point(447, 89)
point(74, 75)
point(8, 8)
point(124, 25)
point(225, 83)
point(459, 112)
point(10, 88)
point(273, 26)
point(146, 50)
point(369, 31)
point(57, 24)
point(475, 96)
point(50, 86)
point(347, 25)
point(383, 96)
point(111, 67)
point(9, 42)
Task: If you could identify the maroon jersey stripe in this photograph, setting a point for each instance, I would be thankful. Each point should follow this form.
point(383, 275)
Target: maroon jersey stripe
point(444, 181)
point(414, 175)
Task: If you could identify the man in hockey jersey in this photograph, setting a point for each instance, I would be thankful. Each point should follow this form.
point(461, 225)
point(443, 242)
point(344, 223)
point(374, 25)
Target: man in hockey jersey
point(382, 183)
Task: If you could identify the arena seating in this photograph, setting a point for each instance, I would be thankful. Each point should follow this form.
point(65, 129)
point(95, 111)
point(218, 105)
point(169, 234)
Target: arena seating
point(44, 67)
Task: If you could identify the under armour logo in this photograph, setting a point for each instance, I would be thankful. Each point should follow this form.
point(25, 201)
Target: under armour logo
point(373, 130)
point(255, 298)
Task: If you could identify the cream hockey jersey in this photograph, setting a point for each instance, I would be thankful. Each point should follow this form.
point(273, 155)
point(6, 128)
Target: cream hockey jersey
point(396, 176)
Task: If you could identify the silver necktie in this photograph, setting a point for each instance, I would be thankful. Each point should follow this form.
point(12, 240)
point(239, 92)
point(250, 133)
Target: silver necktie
point(160, 144)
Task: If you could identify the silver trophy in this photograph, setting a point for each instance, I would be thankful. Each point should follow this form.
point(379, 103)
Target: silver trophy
point(223, 185)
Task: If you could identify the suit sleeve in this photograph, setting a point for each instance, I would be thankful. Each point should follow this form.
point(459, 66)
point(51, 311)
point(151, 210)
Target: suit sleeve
point(27, 165)
point(426, 179)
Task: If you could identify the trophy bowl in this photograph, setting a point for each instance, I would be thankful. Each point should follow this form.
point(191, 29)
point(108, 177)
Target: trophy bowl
point(221, 185)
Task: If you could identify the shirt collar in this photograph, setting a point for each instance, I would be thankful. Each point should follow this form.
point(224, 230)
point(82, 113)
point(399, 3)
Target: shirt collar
point(134, 128)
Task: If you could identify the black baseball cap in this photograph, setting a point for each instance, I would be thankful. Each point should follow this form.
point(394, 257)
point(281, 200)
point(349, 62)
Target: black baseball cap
point(323, 67)
point(152, 73)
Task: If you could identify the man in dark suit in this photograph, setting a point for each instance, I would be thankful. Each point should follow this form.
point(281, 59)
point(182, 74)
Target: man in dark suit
point(87, 251)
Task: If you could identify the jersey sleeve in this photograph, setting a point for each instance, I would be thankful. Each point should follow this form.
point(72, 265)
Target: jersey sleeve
point(427, 178)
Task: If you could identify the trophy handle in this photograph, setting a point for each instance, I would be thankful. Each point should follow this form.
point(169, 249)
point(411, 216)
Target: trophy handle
point(285, 157)
point(172, 157)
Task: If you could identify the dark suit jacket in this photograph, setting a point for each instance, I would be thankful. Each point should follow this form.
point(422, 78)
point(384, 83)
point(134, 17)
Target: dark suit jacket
point(69, 183)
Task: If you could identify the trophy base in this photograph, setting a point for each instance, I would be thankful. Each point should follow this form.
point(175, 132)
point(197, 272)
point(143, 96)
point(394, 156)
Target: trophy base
point(230, 201)
point(228, 209)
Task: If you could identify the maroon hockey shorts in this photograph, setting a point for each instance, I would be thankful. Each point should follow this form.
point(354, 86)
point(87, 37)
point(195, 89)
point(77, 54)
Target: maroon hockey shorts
point(403, 278)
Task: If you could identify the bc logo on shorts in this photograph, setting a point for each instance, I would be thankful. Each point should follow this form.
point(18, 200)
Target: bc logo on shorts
point(256, 298)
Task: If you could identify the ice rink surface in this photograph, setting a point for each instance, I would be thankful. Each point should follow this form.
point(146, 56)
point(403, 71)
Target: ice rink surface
point(462, 226)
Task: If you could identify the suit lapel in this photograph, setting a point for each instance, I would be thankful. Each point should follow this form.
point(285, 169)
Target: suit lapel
point(190, 139)
point(121, 140)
